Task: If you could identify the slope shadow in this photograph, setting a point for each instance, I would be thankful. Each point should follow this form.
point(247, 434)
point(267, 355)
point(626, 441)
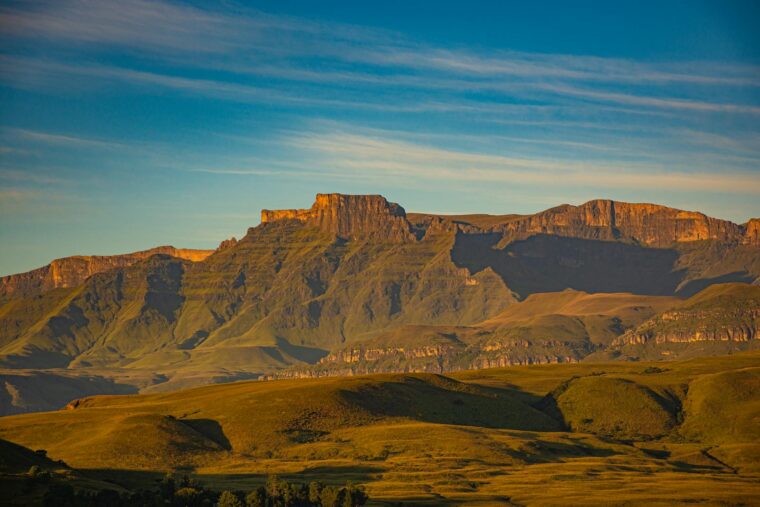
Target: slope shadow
point(547, 263)
point(307, 354)
point(210, 429)
point(694, 286)
point(440, 403)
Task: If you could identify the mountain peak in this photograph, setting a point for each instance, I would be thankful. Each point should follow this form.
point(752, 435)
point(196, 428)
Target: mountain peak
point(350, 217)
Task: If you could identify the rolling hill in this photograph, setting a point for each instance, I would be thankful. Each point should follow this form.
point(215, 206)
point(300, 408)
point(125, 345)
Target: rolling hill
point(634, 433)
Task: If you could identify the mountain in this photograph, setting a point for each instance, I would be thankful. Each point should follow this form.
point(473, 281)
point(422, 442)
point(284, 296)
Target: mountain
point(622, 433)
point(357, 273)
point(73, 271)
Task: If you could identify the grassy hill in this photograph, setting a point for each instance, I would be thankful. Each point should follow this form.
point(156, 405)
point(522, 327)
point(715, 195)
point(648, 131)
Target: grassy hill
point(636, 433)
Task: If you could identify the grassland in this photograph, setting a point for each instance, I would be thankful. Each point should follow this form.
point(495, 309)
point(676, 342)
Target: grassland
point(595, 434)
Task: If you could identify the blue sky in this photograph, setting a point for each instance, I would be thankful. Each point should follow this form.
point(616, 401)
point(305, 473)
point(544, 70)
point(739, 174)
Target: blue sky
point(129, 124)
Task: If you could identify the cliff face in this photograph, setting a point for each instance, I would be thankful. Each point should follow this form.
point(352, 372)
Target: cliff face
point(351, 217)
point(648, 224)
point(752, 232)
point(73, 271)
point(722, 313)
point(371, 216)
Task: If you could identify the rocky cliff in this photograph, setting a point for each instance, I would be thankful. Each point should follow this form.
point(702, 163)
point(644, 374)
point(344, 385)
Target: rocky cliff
point(752, 232)
point(351, 217)
point(647, 224)
point(73, 271)
point(721, 313)
point(652, 225)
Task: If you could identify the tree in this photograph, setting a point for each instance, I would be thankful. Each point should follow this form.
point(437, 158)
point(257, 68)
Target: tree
point(295, 495)
point(354, 496)
point(257, 497)
point(187, 497)
point(315, 491)
point(167, 487)
point(332, 496)
point(273, 487)
point(229, 499)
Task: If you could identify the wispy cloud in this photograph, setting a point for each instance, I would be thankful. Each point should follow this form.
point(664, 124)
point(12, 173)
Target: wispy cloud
point(26, 176)
point(657, 102)
point(248, 42)
point(456, 114)
point(61, 139)
point(374, 157)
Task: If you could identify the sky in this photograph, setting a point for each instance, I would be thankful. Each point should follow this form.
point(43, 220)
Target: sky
point(127, 124)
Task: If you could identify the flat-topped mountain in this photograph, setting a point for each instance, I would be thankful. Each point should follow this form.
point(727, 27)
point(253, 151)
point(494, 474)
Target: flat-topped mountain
point(350, 217)
point(358, 275)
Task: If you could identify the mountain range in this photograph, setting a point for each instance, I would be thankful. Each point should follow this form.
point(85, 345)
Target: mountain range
point(355, 284)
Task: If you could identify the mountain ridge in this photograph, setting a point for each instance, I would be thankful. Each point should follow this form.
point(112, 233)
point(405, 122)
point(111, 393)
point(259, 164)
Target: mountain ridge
point(307, 284)
point(74, 270)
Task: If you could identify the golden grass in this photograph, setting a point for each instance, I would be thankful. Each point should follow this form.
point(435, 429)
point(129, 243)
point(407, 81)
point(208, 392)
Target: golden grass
point(431, 440)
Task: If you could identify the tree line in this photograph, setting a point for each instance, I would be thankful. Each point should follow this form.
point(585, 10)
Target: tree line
point(187, 492)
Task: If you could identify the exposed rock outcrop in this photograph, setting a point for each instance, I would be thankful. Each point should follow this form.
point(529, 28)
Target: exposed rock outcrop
point(365, 216)
point(648, 224)
point(227, 243)
point(73, 271)
point(351, 217)
point(722, 313)
point(752, 232)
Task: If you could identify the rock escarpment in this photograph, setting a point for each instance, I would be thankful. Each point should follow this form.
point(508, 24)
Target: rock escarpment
point(647, 224)
point(651, 225)
point(73, 271)
point(351, 217)
point(722, 313)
